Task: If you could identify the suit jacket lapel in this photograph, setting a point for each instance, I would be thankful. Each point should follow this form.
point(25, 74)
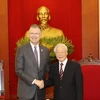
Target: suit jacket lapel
point(41, 55)
point(57, 70)
point(67, 64)
point(66, 68)
point(31, 54)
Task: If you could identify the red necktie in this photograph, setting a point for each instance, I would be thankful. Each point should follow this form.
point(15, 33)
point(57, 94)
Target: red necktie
point(61, 71)
point(36, 54)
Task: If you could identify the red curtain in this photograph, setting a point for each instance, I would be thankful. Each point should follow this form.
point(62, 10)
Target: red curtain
point(65, 15)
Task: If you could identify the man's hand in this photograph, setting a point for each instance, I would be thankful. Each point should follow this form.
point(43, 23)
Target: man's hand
point(39, 83)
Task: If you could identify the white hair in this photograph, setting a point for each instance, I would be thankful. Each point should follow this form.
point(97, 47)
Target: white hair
point(61, 45)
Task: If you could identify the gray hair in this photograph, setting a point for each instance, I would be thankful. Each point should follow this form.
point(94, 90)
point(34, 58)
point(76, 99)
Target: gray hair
point(35, 26)
point(61, 45)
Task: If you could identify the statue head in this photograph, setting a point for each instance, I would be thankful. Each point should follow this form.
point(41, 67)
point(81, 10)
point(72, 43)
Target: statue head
point(43, 15)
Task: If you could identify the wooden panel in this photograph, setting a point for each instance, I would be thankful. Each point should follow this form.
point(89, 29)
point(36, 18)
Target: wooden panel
point(4, 50)
point(90, 28)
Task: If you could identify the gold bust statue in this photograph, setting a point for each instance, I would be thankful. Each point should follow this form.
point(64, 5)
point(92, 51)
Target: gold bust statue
point(43, 16)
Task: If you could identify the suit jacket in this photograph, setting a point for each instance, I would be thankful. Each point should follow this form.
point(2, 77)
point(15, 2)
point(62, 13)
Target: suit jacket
point(71, 85)
point(27, 70)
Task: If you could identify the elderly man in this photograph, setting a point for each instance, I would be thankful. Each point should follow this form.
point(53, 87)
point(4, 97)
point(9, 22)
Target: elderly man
point(66, 76)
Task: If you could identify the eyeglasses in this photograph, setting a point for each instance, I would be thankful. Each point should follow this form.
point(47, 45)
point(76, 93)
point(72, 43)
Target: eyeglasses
point(35, 33)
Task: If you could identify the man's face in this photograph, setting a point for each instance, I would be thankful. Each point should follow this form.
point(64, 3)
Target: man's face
point(43, 16)
point(35, 35)
point(61, 53)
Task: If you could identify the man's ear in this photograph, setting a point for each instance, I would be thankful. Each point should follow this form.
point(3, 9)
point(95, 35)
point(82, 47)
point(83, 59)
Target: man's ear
point(67, 54)
point(37, 18)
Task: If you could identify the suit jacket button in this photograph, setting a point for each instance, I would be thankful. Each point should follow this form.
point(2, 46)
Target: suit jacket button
point(60, 87)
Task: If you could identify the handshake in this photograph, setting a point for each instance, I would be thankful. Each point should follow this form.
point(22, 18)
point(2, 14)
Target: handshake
point(39, 83)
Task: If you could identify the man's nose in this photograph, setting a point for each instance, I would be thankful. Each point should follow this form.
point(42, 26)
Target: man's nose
point(60, 54)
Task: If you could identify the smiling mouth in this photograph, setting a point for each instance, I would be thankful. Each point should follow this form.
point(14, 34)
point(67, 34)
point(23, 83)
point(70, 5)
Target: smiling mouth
point(34, 38)
point(60, 57)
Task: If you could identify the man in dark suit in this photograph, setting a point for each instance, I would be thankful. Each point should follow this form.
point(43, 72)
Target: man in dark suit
point(66, 76)
point(30, 65)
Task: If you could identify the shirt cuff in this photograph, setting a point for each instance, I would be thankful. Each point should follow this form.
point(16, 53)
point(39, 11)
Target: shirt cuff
point(33, 81)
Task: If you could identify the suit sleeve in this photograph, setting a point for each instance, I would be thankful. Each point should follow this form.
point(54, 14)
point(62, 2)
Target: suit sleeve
point(79, 82)
point(48, 61)
point(50, 81)
point(19, 68)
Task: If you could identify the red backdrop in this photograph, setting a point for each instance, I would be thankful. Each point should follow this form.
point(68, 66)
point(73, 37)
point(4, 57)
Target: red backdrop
point(65, 15)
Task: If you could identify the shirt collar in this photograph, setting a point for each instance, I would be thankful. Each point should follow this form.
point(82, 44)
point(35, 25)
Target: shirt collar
point(34, 45)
